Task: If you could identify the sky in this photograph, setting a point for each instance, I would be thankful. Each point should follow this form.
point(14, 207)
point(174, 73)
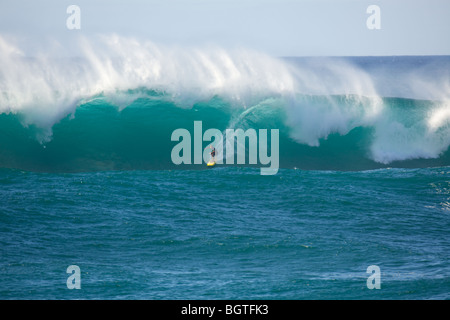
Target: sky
point(276, 27)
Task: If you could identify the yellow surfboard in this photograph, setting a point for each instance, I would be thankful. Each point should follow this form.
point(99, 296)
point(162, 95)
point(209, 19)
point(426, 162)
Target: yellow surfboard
point(211, 163)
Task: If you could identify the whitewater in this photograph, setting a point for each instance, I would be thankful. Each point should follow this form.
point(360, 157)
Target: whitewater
point(115, 104)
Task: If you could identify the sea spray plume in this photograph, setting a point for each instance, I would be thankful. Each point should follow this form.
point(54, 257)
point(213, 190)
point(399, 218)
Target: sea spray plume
point(43, 90)
point(422, 130)
point(332, 96)
point(192, 74)
point(346, 97)
point(40, 89)
point(419, 129)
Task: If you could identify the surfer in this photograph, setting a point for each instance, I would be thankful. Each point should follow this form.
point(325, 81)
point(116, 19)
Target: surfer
point(213, 154)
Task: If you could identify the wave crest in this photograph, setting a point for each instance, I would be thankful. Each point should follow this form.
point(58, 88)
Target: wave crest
point(312, 100)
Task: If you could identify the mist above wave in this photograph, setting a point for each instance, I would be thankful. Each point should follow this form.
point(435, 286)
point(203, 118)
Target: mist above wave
point(52, 87)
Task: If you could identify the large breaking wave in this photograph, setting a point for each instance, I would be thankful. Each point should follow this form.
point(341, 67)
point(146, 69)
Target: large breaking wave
point(115, 106)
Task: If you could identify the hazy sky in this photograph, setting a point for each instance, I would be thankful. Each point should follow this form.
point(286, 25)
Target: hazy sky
point(277, 27)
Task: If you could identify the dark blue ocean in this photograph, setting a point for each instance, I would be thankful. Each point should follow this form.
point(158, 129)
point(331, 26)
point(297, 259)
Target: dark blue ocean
point(226, 233)
point(87, 178)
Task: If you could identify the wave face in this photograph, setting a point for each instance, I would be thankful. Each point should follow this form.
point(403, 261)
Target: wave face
point(116, 106)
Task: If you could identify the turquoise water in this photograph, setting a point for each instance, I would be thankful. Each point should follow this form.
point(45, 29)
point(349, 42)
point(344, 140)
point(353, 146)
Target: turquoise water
point(226, 233)
point(87, 178)
point(99, 136)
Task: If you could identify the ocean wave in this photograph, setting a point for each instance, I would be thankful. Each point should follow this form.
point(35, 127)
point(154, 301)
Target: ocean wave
point(115, 106)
